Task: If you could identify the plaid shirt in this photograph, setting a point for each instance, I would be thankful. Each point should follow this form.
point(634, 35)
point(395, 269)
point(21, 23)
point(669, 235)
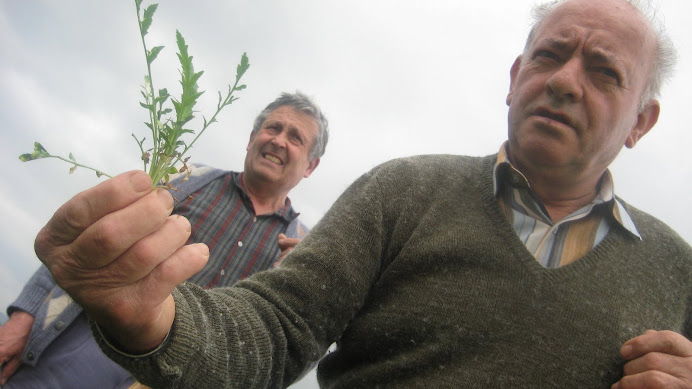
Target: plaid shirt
point(557, 244)
point(240, 242)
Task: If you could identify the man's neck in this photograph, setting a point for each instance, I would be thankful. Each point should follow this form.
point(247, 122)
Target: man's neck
point(264, 197)
point(560, 192)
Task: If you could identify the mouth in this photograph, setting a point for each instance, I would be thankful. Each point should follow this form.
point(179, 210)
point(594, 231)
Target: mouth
point(272, 158)
point(542, 112)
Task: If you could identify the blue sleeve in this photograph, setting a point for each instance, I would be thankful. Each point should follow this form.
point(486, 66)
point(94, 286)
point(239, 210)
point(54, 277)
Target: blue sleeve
point(52, 308)
point(34, 293)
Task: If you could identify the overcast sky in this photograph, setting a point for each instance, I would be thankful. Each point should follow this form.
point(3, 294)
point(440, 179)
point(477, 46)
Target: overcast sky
point(395, 78)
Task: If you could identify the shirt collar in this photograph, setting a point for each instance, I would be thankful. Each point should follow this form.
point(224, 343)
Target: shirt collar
point(505, 172)
point(287, 212)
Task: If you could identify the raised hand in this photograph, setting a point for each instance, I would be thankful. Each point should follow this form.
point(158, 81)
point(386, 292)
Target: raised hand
point(657, 359)
point(117, 251)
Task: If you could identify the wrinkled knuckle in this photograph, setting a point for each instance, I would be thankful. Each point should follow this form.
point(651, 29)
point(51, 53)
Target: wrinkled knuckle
point(143, 253)
point(655, 379)
point(168, 270)
point(42, 245)
point(60, 271)
point(78, 217)
point(107, 236)
point(654, 361)
point(668, 340)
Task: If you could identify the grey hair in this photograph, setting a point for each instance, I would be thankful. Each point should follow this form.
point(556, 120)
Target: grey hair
point(664, 60)
point(302, 103)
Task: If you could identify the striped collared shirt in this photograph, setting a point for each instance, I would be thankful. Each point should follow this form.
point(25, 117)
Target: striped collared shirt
point(240, 242)
point(557, 244)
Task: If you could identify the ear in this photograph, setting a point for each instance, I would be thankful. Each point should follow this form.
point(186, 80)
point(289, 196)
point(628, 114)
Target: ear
point(646, 119)
point(312, 165)
point(252, 137)
point(512, 78)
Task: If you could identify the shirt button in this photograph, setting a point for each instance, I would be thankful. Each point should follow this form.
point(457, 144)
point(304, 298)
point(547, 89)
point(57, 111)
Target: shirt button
point(59, 325)
point(30, 356)
point(254, 219)
point(240, 244)
point(222, 272)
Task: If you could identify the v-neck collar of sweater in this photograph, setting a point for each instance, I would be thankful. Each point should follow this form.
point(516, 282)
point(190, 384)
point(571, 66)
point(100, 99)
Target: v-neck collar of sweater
point(607, 248)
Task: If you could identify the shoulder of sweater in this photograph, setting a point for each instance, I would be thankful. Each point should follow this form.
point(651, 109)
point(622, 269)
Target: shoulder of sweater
point(652, 228)
point(431, 163)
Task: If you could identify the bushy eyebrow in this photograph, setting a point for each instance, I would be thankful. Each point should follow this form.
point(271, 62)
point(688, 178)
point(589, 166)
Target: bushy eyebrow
point(290, 128)
point(604, 57)
point(559, 45)
point(596, 54)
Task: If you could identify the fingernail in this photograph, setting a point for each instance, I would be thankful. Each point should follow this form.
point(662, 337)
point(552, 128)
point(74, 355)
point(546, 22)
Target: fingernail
point(140, 181)
point(185, 221)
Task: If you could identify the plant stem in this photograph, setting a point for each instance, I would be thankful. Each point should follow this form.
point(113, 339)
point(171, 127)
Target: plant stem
point(98, 172)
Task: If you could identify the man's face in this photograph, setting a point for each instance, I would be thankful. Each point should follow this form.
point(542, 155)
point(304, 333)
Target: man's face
point(574, 95)
point(278, 152)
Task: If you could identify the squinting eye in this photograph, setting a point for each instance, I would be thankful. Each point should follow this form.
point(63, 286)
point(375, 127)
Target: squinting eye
point(545, 54)
point(610, 73)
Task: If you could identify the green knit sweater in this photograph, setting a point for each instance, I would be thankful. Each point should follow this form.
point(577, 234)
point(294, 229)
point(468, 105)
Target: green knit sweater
point(421, 281)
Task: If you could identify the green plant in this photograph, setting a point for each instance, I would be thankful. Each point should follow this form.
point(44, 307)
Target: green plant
point(167, 125)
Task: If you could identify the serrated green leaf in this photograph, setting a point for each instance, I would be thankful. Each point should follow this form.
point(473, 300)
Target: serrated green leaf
point(172, 170)
point(147, 106)
point(149, 11)
point(196, 77)
point(153, 53)
point(147, 18)
point(240, 87)
point(25, 157)
point(165, 112)
point(146, 23)
point(71, 157)
point(242, 66)
point(182, 47)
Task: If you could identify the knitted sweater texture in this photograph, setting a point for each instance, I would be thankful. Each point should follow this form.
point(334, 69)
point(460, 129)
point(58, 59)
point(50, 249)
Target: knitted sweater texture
point(422, 282)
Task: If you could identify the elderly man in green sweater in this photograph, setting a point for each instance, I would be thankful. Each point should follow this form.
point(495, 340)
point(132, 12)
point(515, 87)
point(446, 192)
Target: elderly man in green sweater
point(520, 269)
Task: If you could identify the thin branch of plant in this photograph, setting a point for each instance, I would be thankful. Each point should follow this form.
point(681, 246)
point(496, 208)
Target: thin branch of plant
point(167, 125)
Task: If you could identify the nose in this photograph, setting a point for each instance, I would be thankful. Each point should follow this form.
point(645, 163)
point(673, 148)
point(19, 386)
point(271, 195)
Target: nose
point(566, 83)
point(279, 140)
